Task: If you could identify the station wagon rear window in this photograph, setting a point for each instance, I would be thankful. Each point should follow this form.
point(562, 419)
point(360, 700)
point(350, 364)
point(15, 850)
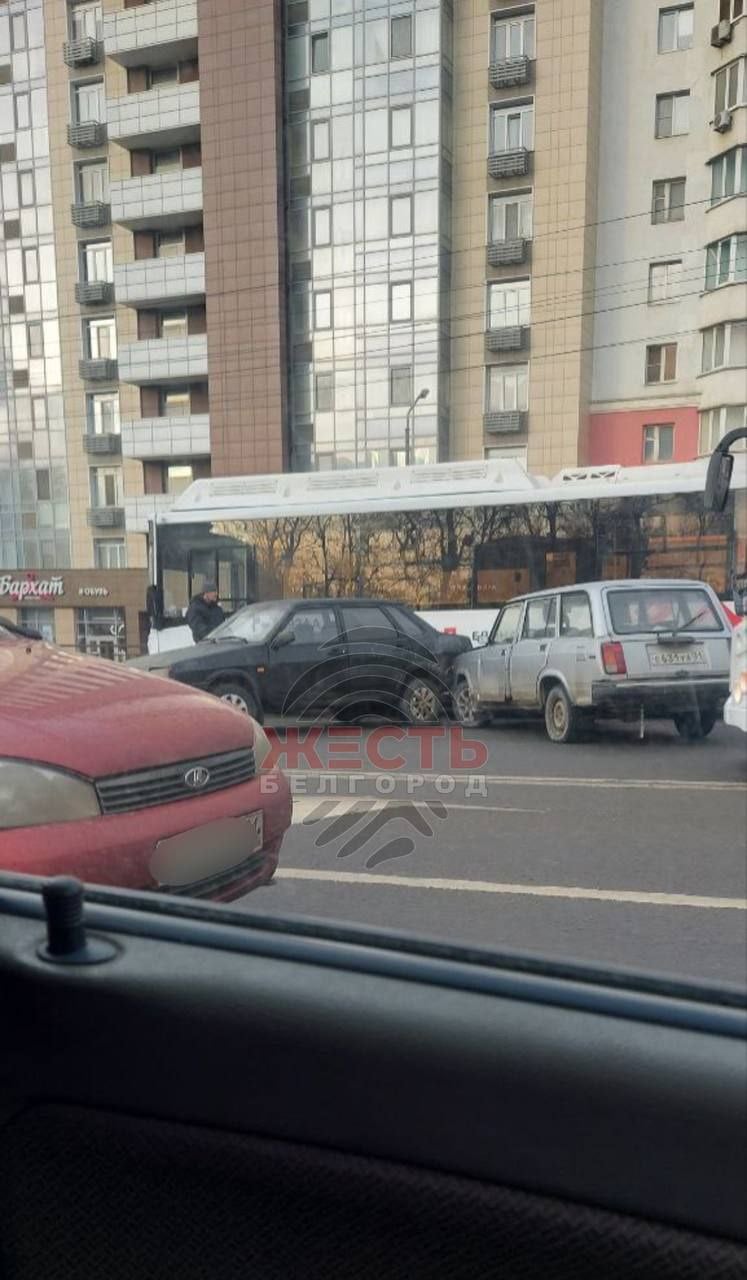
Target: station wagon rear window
point(662, 609)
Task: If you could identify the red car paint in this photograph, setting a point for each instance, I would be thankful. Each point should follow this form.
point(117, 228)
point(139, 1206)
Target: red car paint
point(95, 718)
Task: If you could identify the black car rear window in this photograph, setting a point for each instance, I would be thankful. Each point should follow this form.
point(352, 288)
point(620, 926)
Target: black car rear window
point(662, 609)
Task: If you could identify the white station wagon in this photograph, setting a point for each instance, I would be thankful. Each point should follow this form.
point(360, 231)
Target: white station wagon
point(628, 649)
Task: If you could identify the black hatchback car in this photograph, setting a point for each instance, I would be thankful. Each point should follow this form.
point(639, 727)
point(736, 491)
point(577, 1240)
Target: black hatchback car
point(335, 657)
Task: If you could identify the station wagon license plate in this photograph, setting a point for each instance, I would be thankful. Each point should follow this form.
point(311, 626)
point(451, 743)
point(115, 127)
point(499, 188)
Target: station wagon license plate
point(693, 656)
point(208, 850)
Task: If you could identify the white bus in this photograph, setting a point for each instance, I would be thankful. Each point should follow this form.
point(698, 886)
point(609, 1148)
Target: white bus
point(454, 540)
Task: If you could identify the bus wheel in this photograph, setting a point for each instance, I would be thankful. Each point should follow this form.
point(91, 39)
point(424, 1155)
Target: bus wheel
point(421, 703)
point(465, 707)
point(692, 725)
point(236, 696)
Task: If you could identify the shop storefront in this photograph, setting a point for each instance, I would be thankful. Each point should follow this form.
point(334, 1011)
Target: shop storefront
point(100, 612)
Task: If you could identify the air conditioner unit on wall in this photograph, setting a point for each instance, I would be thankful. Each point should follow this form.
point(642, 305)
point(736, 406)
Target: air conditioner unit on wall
point(723, 121)
point(721, 33)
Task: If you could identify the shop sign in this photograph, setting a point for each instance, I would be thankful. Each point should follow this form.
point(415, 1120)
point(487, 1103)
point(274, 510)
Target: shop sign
point(98, 592)
point(31, 587)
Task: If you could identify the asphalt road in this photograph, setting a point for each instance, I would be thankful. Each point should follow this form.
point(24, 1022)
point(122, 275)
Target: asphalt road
point(613, 850)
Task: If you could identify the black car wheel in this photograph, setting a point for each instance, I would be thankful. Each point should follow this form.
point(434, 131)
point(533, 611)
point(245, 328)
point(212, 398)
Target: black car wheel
point(422, 702)
point(693, 725)
point(236, 695)
point(562, 719)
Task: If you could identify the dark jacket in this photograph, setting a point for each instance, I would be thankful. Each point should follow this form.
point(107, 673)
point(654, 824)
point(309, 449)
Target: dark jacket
point(202, 617)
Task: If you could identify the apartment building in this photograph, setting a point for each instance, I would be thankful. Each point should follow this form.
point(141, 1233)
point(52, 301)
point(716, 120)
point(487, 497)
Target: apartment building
point(314, 234)
point(670, 299)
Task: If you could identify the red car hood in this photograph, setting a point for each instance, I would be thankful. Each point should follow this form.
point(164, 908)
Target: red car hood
point(95, 717)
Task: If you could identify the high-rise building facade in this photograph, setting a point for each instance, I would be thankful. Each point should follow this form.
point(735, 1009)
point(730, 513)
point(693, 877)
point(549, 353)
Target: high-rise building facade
point(309, 234)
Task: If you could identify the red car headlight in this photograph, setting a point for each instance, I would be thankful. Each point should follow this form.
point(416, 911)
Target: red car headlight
point(32, 795)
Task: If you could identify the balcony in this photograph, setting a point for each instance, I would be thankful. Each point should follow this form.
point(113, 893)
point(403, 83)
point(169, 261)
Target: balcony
point(103, 442)
point(89, 133)
point(507, 253)
point(165, 117)
point(91, 292)
point(106, 517)
point(158, 200)
point(81, 53)
point(156, 360)
point(152, 281)
point(140, 512)
point(509, 72)
point(178, 437)
point(504, 422)
point(90, 213)
point(151, 34)
point(101, 369)
point(509, 164)
point(508, 338)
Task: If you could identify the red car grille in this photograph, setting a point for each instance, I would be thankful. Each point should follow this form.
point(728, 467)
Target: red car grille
point(127, 791)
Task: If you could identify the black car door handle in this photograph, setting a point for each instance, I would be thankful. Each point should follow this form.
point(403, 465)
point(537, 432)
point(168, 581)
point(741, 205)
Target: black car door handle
point(337, 651)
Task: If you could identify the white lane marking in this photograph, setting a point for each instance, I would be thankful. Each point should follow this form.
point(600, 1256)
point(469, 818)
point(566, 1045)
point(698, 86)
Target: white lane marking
point(305, 806)
point(639, 897)
point(515, 780)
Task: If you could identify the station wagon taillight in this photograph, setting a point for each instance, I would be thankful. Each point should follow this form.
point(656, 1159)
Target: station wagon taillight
point(613, 658)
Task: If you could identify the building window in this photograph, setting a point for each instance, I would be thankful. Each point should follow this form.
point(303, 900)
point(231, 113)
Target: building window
point(177, 476)
point(507, 388)
point(401, 37)
point(320, 140)
point(676, 28)
point(101, 633)
point(726, 261)
point(400, 127)
point(658, 442)
point(512, 127)
point(664, 280)
point(35, 340)
point(85, 20)
point(102, 413)
point(41, 620)
point(668, 200)
point(161, 77)
point(43, 485)
point(323, 310)
point(320, 52)
point(18, 31)
point(400, 301)
point(175, 402)
point(88, 101)
point(106, 487)
point(724, 346)
point(672, 114)
point(31, 266)
point(173, 324)
point(322, 227)
point(508, 453)
point(714, 424)
point(110, 553)
point(400, 216)
point(324, 392)
point(509, 304)
point(92, 182)
point(101, 339)
point(167, 161)
point(661, 362)
point(170, 244)
point(729, 174)
point(513, 37)
point(39, 413)
point(730, 89)
point(510, 217)
point(400, 386)
point(97, 261)
point(729, 10)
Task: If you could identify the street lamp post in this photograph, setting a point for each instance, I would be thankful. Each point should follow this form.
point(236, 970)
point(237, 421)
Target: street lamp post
point(422, 395)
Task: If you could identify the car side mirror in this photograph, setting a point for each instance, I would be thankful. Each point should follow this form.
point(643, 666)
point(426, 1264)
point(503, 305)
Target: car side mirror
point(282, 639)
point(718, 481)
